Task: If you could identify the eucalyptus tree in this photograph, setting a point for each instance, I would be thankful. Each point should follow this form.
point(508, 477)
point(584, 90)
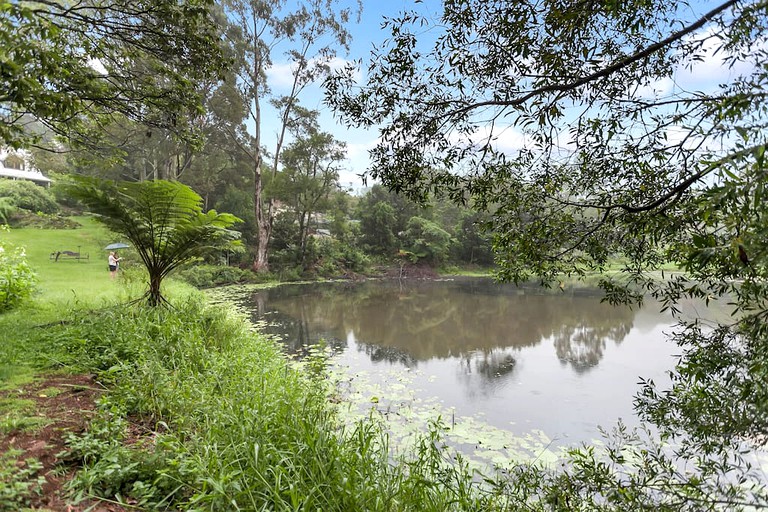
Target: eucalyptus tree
point(587, 130)
point(66, 65)
point(308, 36)
point(310, 172)
point(220, 161)
point(163, 221)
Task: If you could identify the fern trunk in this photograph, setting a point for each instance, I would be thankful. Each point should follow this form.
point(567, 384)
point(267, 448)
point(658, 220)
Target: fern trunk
point(155, 298)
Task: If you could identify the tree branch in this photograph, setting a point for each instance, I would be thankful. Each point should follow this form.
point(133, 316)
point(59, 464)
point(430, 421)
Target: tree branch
point(675, 191)
point(605, 71)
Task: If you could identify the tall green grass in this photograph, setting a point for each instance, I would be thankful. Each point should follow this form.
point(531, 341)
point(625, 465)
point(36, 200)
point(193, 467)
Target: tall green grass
point(226, 422)
point(201, 413)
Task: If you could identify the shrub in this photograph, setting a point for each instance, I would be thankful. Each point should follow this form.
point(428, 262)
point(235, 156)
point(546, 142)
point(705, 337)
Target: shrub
point(17, 280)
point(207, 276)
point(332, 257)
point(59, 191)
point(6, 209)
point(28, 196)
point(26, 219)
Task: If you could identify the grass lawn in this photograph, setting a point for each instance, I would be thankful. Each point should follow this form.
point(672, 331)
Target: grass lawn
point(68, 279)
point(67, 284)
point(70, 283)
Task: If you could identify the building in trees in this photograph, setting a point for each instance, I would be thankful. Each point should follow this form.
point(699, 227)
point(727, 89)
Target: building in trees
point(17, 165)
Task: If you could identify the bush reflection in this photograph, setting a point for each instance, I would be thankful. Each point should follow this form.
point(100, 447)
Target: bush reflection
point(481, 323)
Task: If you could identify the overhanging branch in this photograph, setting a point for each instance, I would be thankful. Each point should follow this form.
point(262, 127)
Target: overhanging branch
point(616, 66)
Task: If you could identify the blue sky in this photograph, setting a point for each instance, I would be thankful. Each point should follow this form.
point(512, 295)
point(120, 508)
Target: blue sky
point(364, 34)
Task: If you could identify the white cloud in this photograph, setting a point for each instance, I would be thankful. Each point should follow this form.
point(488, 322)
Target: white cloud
point(359, 150)
point(501, 138)
point(705, 74)
point(338, 64)
point(656, 89)
point(358, 162)
point(280, 74)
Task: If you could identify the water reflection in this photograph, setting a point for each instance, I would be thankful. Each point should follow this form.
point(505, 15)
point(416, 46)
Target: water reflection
point(469, 320)
point(561, 363)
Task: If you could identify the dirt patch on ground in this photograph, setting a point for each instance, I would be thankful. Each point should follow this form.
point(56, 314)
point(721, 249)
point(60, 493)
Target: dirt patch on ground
point(63, 404)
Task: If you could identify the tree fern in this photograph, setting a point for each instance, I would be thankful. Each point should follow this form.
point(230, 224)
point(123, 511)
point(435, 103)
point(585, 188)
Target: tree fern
point(163, 220)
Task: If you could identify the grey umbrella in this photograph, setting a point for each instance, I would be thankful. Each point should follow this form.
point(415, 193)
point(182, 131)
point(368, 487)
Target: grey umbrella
point(118, 245)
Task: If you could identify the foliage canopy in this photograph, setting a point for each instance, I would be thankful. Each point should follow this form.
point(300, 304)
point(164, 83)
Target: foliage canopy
point(567, 123)
point(586, 131)
point(63, 64)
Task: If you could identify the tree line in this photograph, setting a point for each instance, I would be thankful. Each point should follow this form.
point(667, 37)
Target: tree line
point(286, 190)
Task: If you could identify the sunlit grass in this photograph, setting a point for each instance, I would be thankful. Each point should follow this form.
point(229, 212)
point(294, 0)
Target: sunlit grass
point(68, 285)
point(68, 280)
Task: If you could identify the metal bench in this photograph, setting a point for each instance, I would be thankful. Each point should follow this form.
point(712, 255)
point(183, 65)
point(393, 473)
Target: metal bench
point(68, 255)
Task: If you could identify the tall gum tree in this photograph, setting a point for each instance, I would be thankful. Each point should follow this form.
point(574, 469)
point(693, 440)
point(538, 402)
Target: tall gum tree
point(592, 130)
point(308, 34)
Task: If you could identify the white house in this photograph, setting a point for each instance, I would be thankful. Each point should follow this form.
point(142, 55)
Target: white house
point(17, 165)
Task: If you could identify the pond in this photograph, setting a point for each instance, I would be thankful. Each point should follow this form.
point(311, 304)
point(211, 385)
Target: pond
point(521, 360)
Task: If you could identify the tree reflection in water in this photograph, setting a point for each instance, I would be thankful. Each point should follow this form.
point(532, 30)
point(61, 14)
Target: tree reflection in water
point(493, 365)
point(518, 359)
point(582, 346)
point(477, 321)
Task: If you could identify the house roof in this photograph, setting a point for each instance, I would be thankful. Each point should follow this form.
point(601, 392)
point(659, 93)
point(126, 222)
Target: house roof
point(22, 168)
point(23, 175)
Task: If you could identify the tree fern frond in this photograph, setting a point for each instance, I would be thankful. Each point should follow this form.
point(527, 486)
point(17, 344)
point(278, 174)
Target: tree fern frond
point(162, 219)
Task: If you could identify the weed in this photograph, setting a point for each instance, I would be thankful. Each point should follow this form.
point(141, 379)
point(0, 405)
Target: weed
point(19, 482)
point(229, 422)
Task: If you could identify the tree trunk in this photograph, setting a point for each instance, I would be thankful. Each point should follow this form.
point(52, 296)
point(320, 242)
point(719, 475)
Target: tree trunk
point(263, 223)
point(154, 296)
point(263, 219)
point(303, 227)
point(261, 258)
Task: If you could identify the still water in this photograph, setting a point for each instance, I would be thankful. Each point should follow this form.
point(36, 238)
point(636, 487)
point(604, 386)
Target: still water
point(521, 360)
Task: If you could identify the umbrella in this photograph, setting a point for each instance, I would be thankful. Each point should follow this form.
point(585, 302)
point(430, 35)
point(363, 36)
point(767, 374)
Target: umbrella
point(118, 245)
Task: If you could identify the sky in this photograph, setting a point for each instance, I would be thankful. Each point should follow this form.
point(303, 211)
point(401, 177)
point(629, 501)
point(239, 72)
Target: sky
point(364, 34)
point(368, 31)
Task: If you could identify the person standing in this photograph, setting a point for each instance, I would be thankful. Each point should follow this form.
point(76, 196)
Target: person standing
point(114, 264)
